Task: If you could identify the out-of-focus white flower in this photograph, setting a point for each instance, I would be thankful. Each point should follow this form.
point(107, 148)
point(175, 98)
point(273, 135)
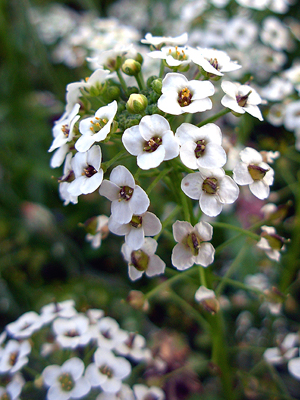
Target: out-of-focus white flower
point(285, 351)
point(66, 381)
point(271, 242)
point(13, 387)
point(26, 325)
point(110, 335)
point(215, 62)
point(270, 156)
point(180, 95)
point(127, 198)
point(63, 130)
point(276, 114)
point(142, 392)
point(72, 332)
point(256, 4)
point(143, 260)
point(201, 147)
point(241, 98)
point(14, 356)
point(125, 393)
point(135, 231)
point(95, 235)
point(293, 75)
point(63, 309)
point(275, 34)
point(192, 247)
point(134, 348)
point(277, 89)
point(292, 116)
point(107, 371)
point(252, 171)
point(159, 40)
point(207, 298)
point(65, 181)
point(95, 129)
point(212, 188)
point(152, 141)
point(242, 32)
point(87, 171)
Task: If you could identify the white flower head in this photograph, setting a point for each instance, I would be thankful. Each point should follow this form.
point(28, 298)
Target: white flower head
point(292, 116)
point(97, 230)
point(66, 382)
point(95, 129)
point(182, 96)
point(174, 56)
point(212, 188)
point(13, 388)
point(294, 367)
point(159, 40)
point(146, 224)
point(25, 326)
point(107, 371)
point(125, 393)
point(127, 198)
point(201, 147)
point(63, 309)
point(65, 181)
point(110, 335)
point(241, 98)
point(14, 356)
point(193, 246)
point(143, 392)
point(87, 171)
point(215, 62)
point(72, 332)
point(63, 130)
point(253, 171)
point(271, 242)
point(143, 260)
point(286, 350)
point(152, 141)
point(134, 347)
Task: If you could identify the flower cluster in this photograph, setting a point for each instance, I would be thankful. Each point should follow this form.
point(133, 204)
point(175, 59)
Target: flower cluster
point(102, 355)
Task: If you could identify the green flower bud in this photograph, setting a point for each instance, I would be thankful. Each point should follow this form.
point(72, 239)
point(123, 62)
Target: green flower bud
point(113, 93)
point(131, 67)
point(132, 89)
point(139, 260)
point(136, 103)
point(156, 85)
point(151, 79)
point(139, 58)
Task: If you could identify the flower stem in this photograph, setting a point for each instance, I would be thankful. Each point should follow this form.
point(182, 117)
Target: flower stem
point(122, 153)
point(158, 179)
point(214, 117)
point(235, 228)
point(122, 80)
point(161, 69)
point(140, 81)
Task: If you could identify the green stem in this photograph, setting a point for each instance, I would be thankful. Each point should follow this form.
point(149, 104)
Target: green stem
point(214, 117)
point(122, 80)
point(161, 69)
point(159, 177)
point(235, 228)
point(140, 80)
point(202, 276)
point(168, 220)
point(235, 264)
point(107, 164)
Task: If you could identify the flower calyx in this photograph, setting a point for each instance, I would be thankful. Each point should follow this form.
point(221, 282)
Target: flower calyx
point(257, 173)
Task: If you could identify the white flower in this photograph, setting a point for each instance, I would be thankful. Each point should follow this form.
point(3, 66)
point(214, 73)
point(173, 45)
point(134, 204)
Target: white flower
point(242, 32)
point(87, 171)
point(158, 40)
point(215, 62)
point(192, 247)
point(25, 326)
point(127, 198)
point(252, 171)
point(201, 147)
point(241, 99)
point(180, 95)
point(174, 56)
point(275, 34)
point(72, 332)
point(64, 127)
point(143, 260)
point(66, 382)
point(13, 387)
point(146, 224)
point(134, 347)
point(142, 392)
point(207, 298)
point(292, 116)
point(107, 371)
point(64, 309)
point(109, 333)
point(65, 181)
point(100, 232)
point(95, 129)
point(152, 141)
point(125, 393)
point(14, 356)
point(271, 242)
point(212, 188)
point(285, 351)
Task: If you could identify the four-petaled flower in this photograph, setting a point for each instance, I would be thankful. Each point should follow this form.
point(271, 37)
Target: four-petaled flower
point(152, 141)
point(179, 95)
point(192, 247)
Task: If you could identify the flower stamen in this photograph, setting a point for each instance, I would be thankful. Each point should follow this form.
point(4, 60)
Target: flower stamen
point(184, 97)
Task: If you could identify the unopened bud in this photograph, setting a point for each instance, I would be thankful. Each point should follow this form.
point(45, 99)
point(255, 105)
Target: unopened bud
point(113, 93)
point(136, 103)
point(131, 67)
point(207, 299)
point(156, 85)
point(137, 300)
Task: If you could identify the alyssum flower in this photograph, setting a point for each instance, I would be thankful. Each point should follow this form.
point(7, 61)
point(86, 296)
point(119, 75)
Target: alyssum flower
point(182, 96)
point(212, 188)
point(201, 147)
point(192, 247)
point(152, 141)
point(252, 171)
point(127, 198)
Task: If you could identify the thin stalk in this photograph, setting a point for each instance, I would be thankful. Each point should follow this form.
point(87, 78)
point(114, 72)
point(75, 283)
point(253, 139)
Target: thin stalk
point(140, 80)
point(114, 159)
point(122, 80)
point(236, 228)
point(202, 276)
point(214, 117)
point(159, 177)
point(161, 69)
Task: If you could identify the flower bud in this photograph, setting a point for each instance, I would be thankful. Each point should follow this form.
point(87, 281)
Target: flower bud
point(113, 93)
point(137, 300)
point(207, 299)
point(136, 103)
point(156, 85)
point(131, 67)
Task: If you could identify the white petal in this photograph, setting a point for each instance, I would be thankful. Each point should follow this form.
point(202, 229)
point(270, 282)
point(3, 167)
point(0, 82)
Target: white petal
point(133, 141)
point(151, 160)
point(181, 229)
point(55, 393)
point(151, 224)
point(135, 238)
point(133, 273)
point(254, 111)
point(89, 185)
point(109, 190)
point(82, 387)
point(156, 266)
point(153, 125)
point(171, 146)
point(228, 191)
point(139, 201)
point(294, 367)
point(260, 189)
point(50, 374)
point(187, 154)
point(74, 187)
point(206, 254)
point(122, 177)
point(214, 156)
point(231, 103)
point(118, 229)
point(241, 174)
point(191, 185)
point(250, 156)
point(84, 143)
point(94, 157)
point(205, 230)
point(182, 257)
point(74, 366)
point(210, 205)
point(121, 211)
